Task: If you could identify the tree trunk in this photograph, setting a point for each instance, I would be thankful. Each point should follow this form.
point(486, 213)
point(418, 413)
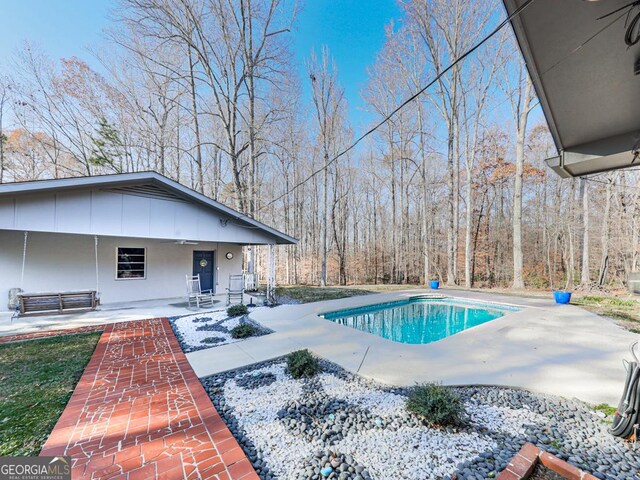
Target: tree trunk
point(604, 235)
point(570, 227)
point(1, 148)
point(425, 219)
point(584, 275)
point(325, 214)
point(518, 281)
point(451, 220)
point(2, 136)
point(196, 125)
point(468, 280)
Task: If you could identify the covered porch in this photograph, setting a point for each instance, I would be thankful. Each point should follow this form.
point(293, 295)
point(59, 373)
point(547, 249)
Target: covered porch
point(119, 269)
point(50, 262)
point(127, 237)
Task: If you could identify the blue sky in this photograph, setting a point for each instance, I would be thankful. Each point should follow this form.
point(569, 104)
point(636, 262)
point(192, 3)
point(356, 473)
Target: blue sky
point(353, 30)
point(63, 28)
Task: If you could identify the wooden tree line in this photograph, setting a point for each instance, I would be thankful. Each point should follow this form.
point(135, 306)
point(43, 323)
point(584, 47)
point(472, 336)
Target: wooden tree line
point(452, 186)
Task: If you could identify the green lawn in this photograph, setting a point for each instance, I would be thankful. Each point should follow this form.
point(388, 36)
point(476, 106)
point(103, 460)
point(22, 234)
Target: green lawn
point(308, 294)
point(37, 378)
point(389, 287)
point(626, 311)
point(608, 410)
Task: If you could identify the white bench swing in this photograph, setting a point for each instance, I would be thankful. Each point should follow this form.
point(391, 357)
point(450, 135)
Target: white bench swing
point(55, 302)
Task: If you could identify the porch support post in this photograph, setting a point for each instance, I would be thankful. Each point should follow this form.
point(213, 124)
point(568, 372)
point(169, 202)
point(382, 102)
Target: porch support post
point(95, 249)
point(271, 276)
point(24, 258)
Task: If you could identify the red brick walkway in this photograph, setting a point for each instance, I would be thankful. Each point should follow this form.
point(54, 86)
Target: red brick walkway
point(140, 412)
point(21, 337)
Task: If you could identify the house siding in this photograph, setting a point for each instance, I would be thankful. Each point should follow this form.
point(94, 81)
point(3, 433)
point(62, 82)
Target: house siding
point(104, 212)
point(66, 262)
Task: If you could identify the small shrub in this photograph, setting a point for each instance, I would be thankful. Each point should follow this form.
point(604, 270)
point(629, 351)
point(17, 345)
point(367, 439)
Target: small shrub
point(436, 405)
point(243, 330)
point(237, 310)
point(302, 364)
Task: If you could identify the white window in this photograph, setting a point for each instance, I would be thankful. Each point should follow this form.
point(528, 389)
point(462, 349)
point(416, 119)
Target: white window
point(131, 263)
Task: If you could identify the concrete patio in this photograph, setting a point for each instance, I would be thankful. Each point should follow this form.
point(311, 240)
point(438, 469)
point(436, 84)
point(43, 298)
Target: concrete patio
point(103, 315)
point(560, 350)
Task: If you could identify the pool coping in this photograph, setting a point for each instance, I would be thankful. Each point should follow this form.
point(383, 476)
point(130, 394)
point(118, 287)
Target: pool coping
point(487, 325)
point(439, 299)
point(505, 309)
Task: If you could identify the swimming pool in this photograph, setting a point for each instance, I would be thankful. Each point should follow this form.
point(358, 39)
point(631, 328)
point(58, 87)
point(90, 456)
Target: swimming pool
point(419, 320)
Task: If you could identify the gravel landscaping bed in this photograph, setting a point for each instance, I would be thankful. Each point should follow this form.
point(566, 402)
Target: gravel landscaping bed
point(210, 329)
point(341, 426)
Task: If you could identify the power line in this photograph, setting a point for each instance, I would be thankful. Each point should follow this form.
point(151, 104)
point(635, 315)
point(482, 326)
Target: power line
point(587, 41)
point(459, 59)
point(403, 104)
point(613, 183)
point(621, 170)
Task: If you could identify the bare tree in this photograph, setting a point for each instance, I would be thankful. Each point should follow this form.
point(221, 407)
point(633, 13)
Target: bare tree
point(475, 90)
point(4, 95)
point(585, 279)
point(448, 28)
point(196, 121)
point(328, 102)
point(604, 232)
point(49, 98)
point(522, 100)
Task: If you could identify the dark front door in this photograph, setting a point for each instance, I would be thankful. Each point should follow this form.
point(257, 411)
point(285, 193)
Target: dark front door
point(203, 266)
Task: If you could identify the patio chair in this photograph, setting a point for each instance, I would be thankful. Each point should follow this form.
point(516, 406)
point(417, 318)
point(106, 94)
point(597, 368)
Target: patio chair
point(195, 294)
point(236, 288)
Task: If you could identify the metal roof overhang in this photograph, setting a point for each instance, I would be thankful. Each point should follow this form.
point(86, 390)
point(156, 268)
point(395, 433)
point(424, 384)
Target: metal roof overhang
point(583, 73)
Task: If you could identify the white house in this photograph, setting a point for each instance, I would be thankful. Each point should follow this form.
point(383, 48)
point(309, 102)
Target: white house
point(131, 236)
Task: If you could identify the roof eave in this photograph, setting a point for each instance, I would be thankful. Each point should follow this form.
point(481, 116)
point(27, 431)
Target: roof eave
point(125, 179)
point(532, 69)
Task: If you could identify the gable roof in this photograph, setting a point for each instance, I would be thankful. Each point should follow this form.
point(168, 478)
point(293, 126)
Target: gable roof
point(583, 73)
point(144, 184)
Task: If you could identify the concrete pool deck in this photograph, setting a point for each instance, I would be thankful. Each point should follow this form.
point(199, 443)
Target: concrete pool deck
point(555, 349)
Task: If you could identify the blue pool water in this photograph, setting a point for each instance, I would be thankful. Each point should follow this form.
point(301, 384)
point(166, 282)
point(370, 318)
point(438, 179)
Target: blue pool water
point(419, 320)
